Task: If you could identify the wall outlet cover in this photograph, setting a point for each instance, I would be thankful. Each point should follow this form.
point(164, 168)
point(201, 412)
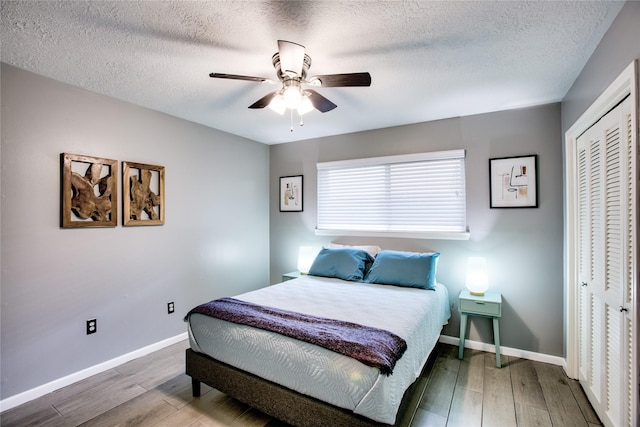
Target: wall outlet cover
point(92, 326)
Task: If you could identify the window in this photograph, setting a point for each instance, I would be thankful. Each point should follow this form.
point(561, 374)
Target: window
point(416, 195)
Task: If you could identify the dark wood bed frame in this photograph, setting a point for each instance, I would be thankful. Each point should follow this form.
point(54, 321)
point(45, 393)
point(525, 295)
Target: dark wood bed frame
point(288, 405)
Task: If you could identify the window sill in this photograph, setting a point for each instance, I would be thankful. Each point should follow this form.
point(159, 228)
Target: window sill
point(432, 235)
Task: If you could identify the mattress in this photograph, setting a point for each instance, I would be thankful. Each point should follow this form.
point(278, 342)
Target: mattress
point(416, 315)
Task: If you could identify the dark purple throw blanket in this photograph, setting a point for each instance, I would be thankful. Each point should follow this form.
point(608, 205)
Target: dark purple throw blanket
point(373, 347)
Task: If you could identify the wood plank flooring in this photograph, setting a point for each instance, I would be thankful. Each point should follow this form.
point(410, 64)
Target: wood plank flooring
point(154, 391)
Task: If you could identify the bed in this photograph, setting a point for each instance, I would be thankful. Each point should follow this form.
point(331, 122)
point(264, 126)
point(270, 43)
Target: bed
point(305, 384)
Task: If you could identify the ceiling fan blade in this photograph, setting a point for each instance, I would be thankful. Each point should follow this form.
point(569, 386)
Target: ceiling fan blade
point(264, 101)
point(238, 77)
point(291, 57)
point(342, 80)
point(319, 102)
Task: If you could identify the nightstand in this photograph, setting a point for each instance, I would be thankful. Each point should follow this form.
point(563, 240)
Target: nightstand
point(291, 276)
point(488, 305)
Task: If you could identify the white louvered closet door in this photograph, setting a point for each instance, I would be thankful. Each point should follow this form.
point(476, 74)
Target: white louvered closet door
point(606, 221)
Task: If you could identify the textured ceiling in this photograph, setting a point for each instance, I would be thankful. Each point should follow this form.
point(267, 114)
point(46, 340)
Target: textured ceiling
point(428, 59)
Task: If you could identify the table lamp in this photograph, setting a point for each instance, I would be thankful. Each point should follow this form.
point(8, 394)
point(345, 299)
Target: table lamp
point(306, 255)
point(477, 279)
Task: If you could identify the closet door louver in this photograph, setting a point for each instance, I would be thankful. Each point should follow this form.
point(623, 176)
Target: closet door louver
point(606, 218)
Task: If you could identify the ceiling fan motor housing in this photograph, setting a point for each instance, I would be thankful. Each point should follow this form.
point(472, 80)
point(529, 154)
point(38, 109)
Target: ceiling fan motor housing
point(306, 64)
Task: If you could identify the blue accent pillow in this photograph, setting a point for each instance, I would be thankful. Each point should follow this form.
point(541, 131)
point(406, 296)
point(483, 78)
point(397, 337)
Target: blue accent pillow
point(411, 269)
point(345, 264)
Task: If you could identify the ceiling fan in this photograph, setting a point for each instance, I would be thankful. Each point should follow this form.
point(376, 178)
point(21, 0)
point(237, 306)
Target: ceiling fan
point(292, 64)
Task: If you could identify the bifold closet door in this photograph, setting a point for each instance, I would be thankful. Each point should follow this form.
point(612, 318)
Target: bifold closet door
point(606, 210)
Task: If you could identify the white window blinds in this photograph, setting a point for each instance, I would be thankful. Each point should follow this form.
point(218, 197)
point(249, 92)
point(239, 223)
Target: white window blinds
point(410, 194)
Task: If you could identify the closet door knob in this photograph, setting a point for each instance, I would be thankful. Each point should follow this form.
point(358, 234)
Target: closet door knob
point(584, 283)
point(623, 309)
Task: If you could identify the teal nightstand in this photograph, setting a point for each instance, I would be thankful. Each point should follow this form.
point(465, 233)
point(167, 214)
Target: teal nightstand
point(489, 305)
point(291, 276)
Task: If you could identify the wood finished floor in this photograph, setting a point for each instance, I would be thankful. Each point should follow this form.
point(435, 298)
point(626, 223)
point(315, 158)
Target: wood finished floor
point(154, 391)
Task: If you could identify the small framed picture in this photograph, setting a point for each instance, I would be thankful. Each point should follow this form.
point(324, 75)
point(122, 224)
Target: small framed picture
point(514, 182)
point(291, 193)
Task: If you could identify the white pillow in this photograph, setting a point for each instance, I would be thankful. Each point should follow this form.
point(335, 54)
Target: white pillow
point(371, 250)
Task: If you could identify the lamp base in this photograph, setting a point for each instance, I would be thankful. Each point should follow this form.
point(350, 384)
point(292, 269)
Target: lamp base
point(477, 294)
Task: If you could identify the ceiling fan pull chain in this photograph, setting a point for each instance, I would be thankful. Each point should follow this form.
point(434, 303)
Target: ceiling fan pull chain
point(301, 121)
point(291, 116)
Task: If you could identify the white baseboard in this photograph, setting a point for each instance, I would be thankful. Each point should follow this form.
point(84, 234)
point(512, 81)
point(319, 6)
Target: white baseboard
point(34, 393)
point(507, 351)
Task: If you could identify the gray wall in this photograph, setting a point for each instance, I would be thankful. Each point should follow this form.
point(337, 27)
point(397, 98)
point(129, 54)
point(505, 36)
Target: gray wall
point(617, 49)
point(523, 247)
point(214, 242)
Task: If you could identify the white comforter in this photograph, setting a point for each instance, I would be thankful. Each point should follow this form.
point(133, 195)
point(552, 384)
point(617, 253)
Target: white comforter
point(416, 315)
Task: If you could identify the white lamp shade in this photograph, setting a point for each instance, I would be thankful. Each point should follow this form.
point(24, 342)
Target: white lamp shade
point(306, 255)
point(305, 105)
point(477, 279)
point(277, 104)
point(292, 97)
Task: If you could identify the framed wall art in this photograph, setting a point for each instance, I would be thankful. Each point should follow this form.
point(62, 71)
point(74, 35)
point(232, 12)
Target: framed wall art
point(142, 194)
point(291, 193)
point(89, 191)
point(514, 182)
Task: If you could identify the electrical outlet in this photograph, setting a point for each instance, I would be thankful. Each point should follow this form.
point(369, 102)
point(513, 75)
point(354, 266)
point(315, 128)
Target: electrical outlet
point(92, 326)
point(170, 307)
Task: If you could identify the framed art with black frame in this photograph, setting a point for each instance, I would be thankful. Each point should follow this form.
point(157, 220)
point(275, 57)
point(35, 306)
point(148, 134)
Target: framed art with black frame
point(514, 182)
point(291, 193)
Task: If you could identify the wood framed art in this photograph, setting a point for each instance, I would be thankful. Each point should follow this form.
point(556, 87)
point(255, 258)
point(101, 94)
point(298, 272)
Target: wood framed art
point(291, 193)
point(89, 191)
point(142, 194)
point(514, 182)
